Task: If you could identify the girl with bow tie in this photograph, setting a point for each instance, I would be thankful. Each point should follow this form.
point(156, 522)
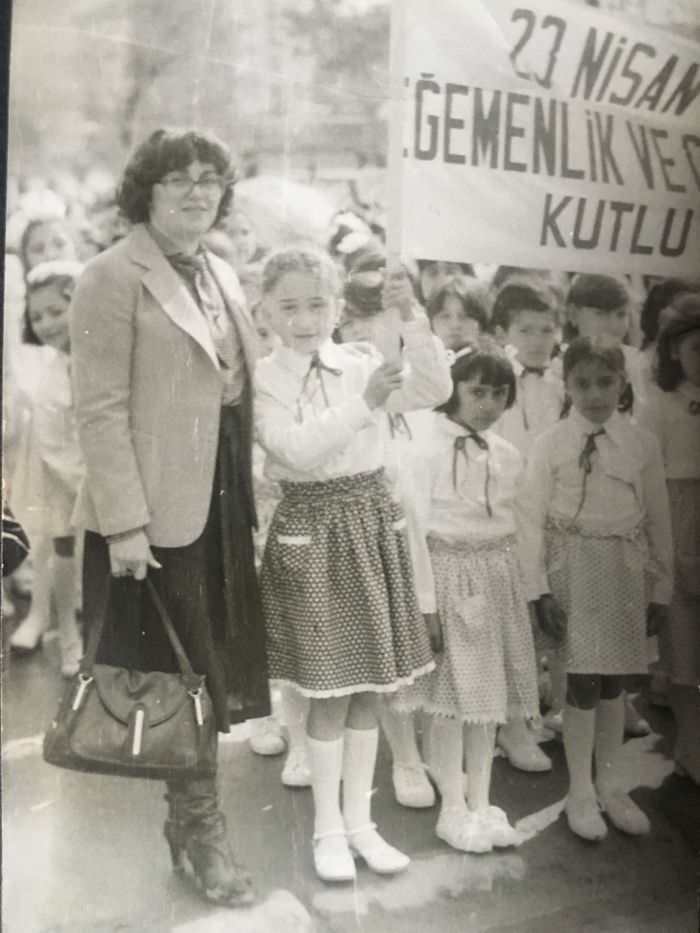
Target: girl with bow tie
point(673, 415)
point(597, 543)
point(338, 594)
point(487, 668)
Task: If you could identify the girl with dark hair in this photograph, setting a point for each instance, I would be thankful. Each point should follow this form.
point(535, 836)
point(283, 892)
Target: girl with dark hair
point(673, 414)
point(596, 546)
point(487, 668)
point(458, 312)
point(49, 467)
point(163, 357)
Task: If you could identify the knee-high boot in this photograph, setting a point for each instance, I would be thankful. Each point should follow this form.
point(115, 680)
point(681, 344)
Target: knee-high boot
point(196, 833)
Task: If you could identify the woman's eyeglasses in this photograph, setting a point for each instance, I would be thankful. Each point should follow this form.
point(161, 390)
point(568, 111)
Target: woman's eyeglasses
point(183, 185)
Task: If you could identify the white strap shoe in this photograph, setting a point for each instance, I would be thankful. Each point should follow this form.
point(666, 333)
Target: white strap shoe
point(382, 858)
point(332, 858)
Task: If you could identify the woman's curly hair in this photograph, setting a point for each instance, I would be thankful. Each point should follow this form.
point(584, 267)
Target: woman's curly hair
point(167, 151)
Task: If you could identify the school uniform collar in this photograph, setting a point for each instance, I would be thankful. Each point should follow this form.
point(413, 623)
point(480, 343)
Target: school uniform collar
point(613, 427)
point(518, 368)
point(298, 363)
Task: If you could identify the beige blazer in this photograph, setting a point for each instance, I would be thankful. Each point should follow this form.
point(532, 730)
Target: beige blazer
point(148, 392)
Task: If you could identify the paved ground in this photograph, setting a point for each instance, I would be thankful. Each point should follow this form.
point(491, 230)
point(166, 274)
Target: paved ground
point(85, 854)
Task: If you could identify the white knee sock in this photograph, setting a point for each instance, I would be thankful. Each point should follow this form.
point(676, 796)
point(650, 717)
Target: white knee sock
point(359, 760)
point(294, 710)
point(447, 755)
point(400, 731)
point(610, 727)
point(579, 729)
point(479, 741)
point(326, 759)
point(65, 596)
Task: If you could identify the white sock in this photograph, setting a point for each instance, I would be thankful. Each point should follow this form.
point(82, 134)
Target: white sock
point(479, 741)
point(579, 729)
point(65, 595)
point(400, 732)
point(294, 711)
point(610, 729)
point(326, 760)
point(447, 755)
point(359, 758)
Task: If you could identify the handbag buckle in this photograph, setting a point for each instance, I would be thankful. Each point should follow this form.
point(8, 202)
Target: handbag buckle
point(198, 709)
point(84, 681)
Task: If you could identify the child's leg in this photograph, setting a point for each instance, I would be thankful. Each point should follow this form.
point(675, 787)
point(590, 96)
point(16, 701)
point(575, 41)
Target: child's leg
point(520, 746)
point(494, 829)
point(411, 786)
point(326, 720)
point(456, 825)
point(685, 702)
point(294, 711)
point(557, 677)
point(582, 812)
point(479, 741)
point(610, 725)
point(65, 594)
point(361, 737)
point(27, 636)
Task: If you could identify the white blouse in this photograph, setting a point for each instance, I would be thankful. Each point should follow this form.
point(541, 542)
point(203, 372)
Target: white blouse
point(674, 419)
point(625, 488)
point(538, 404)
point(315, 425)
point(454, 505)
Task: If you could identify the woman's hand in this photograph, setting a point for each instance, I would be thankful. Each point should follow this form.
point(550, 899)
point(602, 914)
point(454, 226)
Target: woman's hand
point(434, 627)
point(551, 618)
point(385, 379)
point(398, 293)
point(657, 618)
point(130, 555)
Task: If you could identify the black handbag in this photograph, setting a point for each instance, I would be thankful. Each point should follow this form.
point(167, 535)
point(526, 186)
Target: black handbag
point(143, 724)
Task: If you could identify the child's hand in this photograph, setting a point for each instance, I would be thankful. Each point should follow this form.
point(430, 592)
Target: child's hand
point(434, 626)
point(551, 617)
point(657, 618)
point(384, 380)
point(398, 293)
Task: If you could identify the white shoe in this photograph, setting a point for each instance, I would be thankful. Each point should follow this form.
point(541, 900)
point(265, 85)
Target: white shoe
point(624, 813)
point(554, 721)
point(495, 824)
point(522, 751)
point(266, 737)
point(463, 830)
point(297, 771)
point(332, 858)
point(411, 786)
point(26, 638)
point(584, 819)
point(381, 857)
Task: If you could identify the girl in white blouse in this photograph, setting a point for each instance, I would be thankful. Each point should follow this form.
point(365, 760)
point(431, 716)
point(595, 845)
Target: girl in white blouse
point(341, 614)
point(672, 413)
point(597, 545)
point(487, 668)
point(50, 466)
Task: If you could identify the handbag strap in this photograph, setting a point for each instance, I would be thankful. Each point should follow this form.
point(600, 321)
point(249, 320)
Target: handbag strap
point(88, 662)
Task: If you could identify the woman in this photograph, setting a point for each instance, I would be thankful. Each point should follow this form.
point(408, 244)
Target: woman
point(163, 352)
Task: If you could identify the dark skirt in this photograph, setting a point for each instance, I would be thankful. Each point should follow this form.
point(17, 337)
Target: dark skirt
point(338, 593)
point(210, 590)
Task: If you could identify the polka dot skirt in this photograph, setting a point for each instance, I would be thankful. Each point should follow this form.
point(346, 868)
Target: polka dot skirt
point(601, 584)
point(340, 608)
point(487, 668)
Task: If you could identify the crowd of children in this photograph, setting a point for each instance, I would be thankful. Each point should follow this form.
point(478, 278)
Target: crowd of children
point(462, 481)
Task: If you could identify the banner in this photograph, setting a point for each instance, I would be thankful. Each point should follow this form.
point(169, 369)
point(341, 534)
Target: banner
point(545, 134)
